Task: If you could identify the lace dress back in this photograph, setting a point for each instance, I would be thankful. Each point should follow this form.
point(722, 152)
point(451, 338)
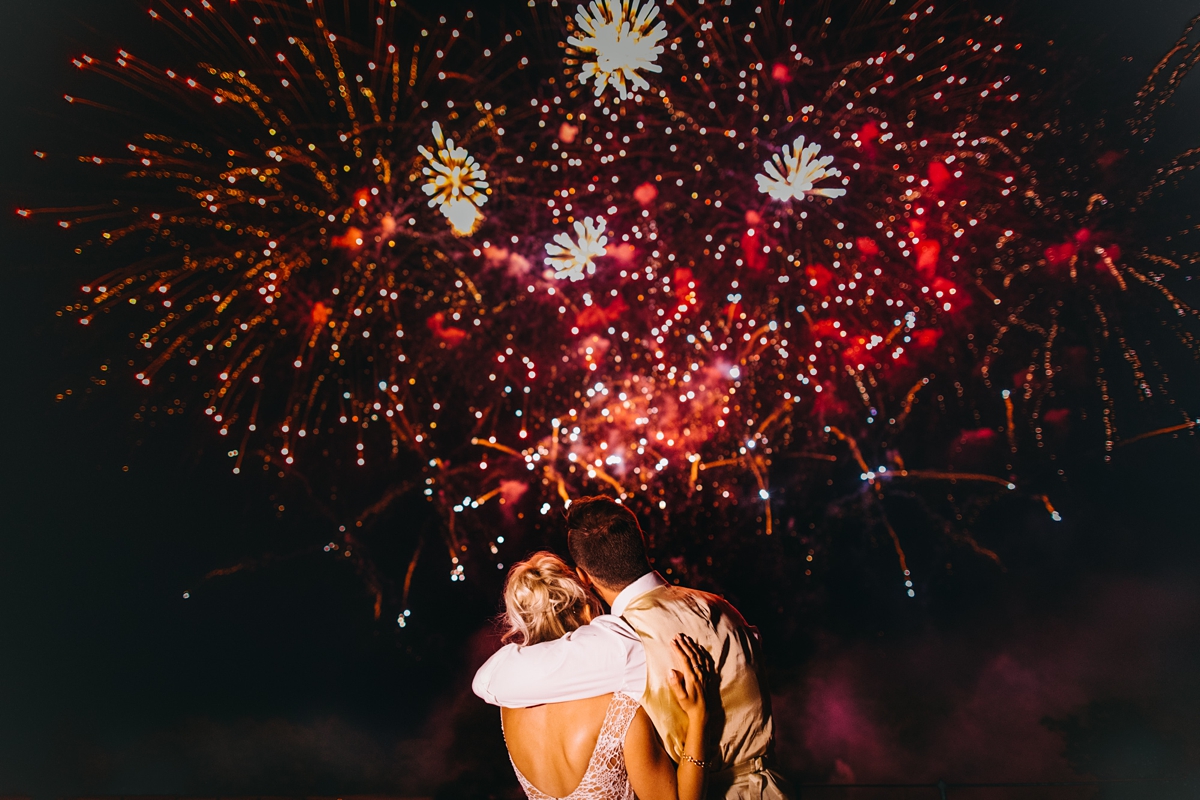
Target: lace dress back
point(605, 778)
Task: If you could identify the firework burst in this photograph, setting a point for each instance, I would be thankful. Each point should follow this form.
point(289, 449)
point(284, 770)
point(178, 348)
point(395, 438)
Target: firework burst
point(751, 329)
point(795, 176)
point(615, 41)
point(301, 243)
point(575, 258)
point(456, 184)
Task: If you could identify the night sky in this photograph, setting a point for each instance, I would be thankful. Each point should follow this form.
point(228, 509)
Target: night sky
point(1081, 660)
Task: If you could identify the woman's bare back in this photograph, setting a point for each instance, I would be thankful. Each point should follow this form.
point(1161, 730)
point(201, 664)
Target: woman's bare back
point(552, 744)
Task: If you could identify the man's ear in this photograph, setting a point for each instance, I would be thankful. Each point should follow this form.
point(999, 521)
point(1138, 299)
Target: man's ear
point(584, 578)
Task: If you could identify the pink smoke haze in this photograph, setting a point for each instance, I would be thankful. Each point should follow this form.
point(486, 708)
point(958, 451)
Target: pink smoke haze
point(954, 707)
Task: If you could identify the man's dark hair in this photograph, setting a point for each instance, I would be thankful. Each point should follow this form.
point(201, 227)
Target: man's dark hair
point(606, 541)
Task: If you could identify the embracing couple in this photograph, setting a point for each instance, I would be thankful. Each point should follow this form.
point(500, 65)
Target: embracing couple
point(663, 698)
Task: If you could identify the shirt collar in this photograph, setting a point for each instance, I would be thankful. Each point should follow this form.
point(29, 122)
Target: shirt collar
point(649, 581)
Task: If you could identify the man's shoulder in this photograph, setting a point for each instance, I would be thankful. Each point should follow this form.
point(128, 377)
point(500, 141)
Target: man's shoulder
point(606, 627)
point(712, 605)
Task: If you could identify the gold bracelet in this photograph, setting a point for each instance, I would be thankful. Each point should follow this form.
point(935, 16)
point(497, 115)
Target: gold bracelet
point(704, 765)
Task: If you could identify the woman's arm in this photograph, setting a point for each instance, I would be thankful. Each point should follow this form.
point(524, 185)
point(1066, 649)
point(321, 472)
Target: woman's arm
point(690, 685)
point(650, 770)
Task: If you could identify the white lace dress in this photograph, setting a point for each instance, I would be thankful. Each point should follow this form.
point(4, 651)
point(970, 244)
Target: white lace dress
point(605, 778)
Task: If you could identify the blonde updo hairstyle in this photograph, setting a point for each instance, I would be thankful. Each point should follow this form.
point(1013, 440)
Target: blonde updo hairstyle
point(544, 600)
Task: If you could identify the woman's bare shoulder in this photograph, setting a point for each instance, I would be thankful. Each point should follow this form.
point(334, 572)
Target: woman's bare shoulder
point(641, 736)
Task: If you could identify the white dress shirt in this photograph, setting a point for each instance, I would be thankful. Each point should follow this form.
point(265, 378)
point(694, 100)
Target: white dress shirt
point(603, 656)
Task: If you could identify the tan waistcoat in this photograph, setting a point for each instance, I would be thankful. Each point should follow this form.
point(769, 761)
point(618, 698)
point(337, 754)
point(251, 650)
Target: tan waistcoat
point(743, 719)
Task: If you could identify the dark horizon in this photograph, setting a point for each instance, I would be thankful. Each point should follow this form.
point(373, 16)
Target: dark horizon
point(1081, 658)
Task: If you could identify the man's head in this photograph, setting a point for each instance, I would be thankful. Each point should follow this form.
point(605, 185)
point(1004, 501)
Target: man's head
point(606, 542)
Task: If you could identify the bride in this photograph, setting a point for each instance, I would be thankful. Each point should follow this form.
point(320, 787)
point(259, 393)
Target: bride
point(598, 748)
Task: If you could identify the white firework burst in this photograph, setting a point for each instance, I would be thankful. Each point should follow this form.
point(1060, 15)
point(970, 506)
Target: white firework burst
point(572, 258)
point(623, 40)
point(795, 174)
point(455, 182)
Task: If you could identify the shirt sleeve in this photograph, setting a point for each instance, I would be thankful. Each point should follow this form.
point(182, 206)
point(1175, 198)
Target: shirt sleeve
point(601, 657)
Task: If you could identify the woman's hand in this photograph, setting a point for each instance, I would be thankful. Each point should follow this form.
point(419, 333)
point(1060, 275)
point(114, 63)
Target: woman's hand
point(693, 677)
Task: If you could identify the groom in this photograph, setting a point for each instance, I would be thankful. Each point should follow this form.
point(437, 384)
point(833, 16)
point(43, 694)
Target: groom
point(609, 550)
